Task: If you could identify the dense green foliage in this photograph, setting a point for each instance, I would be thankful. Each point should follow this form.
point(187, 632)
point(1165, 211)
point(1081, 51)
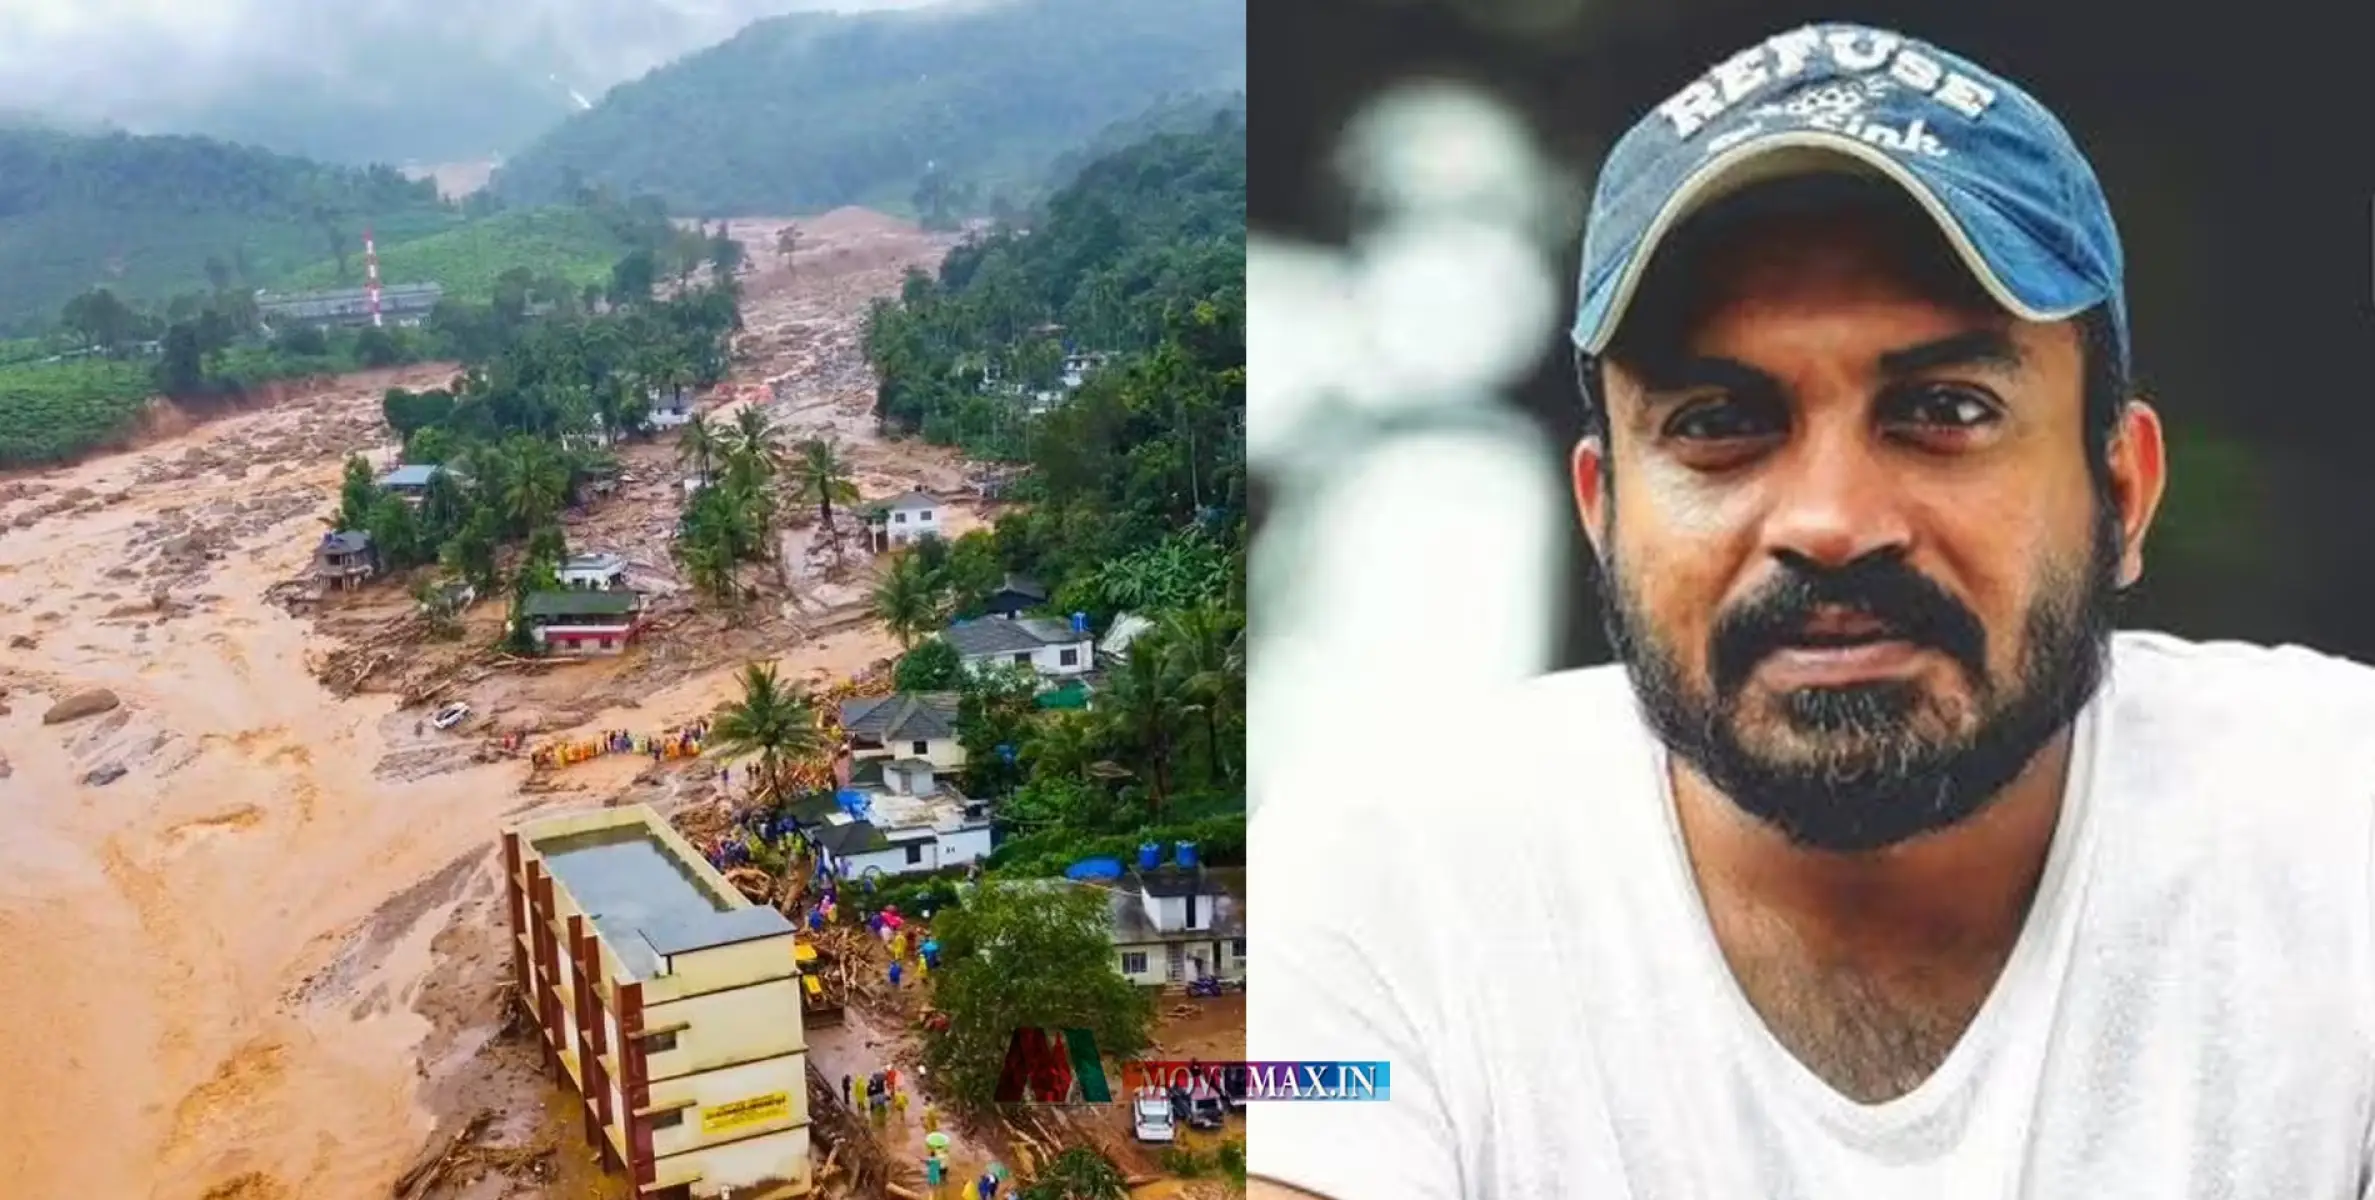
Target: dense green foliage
point(1134, 494)
point(151, 216)
point(56, 410)
point(1142, 255)
point(1024, 956)
point(1172, 114)
point(898, 110)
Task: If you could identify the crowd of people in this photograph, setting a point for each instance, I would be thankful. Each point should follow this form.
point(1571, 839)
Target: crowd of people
point(682, 742)
point(882, 1101)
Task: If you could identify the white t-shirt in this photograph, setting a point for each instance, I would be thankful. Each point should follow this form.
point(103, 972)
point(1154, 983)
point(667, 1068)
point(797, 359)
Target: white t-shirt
point(1502, 911)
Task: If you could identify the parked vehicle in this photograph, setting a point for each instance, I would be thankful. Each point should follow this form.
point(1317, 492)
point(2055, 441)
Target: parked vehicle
point(1151, 1120)
point(451, 715)
point(1206, 1109)
point(1205, 985)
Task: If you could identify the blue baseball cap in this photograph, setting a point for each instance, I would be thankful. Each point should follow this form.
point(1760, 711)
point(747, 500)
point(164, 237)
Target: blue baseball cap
point(2002, 179)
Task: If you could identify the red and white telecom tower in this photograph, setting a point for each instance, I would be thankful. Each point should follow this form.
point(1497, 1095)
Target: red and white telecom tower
point(371, 275)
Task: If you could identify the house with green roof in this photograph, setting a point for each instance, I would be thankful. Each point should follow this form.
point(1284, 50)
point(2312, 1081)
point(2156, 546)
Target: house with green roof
point(584, 622)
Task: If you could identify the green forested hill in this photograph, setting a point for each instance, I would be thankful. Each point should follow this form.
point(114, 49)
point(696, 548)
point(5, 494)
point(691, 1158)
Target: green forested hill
point(1116, 261)
point(150, 217)
point(810, 111)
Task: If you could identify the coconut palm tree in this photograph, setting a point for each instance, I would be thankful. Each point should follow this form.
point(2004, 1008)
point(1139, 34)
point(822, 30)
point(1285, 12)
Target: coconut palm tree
point(699, 446)
point(1145, 707)
point(754, 454)
point(1064, 745)
point(535, 482)
point(774, 721)
point(755, 436)
point(907, 600)
point(819, 476)
point(1205, 645)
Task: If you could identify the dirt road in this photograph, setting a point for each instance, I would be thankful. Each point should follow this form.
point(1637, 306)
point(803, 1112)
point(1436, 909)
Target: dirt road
point(253, 931)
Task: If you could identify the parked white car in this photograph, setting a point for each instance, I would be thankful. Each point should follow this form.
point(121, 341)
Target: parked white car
point(1151, 1119)
point(451, 715)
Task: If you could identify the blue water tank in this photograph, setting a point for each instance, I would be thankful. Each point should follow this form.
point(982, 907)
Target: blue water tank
point(1150, 856)
point(1080, 622)
point(1187, 854)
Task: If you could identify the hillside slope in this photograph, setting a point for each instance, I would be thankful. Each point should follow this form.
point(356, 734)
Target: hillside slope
point(144, 215)
point(573, 243)
point(810, 111)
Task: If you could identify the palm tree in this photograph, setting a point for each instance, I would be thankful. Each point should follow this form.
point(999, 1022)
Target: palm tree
point(773, 720)
point(1143, 702)
point(1064, 745)
point(722, 527)
point(1205, 645)
point(756, 439)
point(907, 599)
point(819, 475)
point(700, 445)
point(535, 482)
point(710, 566)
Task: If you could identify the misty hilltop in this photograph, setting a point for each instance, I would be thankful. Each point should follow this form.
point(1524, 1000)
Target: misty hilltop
point(809, 111)
point(148, 217)
point(396, 81)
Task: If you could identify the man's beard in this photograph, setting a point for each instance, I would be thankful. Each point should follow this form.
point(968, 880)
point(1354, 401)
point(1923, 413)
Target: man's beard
point(1865, 772)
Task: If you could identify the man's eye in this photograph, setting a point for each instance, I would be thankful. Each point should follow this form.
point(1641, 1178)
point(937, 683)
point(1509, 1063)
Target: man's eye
point(1944, 406)
point(1724, 419)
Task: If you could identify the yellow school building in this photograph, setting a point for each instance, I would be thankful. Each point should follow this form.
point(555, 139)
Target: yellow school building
point(668, 1002)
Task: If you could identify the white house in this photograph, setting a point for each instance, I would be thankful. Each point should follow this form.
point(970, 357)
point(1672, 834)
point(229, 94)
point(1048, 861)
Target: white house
point(1055, 649)
point(907, 821)
point(905, 518)
point(1078, 367)
point(1177, 922)
point(668, 412)
point(594, 572)
point(919, 725)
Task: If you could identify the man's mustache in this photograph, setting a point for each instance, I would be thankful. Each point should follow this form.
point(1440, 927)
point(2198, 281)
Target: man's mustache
point(1904, 604)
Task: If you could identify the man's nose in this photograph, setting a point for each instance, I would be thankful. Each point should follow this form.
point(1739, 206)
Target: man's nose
point(1836, 500)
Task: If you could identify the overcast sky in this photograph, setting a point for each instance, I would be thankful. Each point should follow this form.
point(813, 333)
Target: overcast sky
point(125, 59)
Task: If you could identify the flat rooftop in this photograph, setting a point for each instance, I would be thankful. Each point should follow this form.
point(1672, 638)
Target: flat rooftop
point(942, 810)
point(645, 902)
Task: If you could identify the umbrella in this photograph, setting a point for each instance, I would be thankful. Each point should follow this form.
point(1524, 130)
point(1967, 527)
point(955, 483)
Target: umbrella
point(937, 1141)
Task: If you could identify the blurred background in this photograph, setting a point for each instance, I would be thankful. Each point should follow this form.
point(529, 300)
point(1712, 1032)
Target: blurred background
point(1419, 174)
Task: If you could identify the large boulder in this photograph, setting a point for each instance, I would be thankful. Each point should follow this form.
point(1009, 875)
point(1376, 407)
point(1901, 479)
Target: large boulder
point(89, 703)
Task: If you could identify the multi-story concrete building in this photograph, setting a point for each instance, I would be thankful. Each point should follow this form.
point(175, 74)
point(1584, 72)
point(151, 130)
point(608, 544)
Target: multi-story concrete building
point(667, 1001)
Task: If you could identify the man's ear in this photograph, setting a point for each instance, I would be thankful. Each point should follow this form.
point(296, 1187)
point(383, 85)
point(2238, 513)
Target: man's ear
point(2139, 470)
point(1589, 468)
